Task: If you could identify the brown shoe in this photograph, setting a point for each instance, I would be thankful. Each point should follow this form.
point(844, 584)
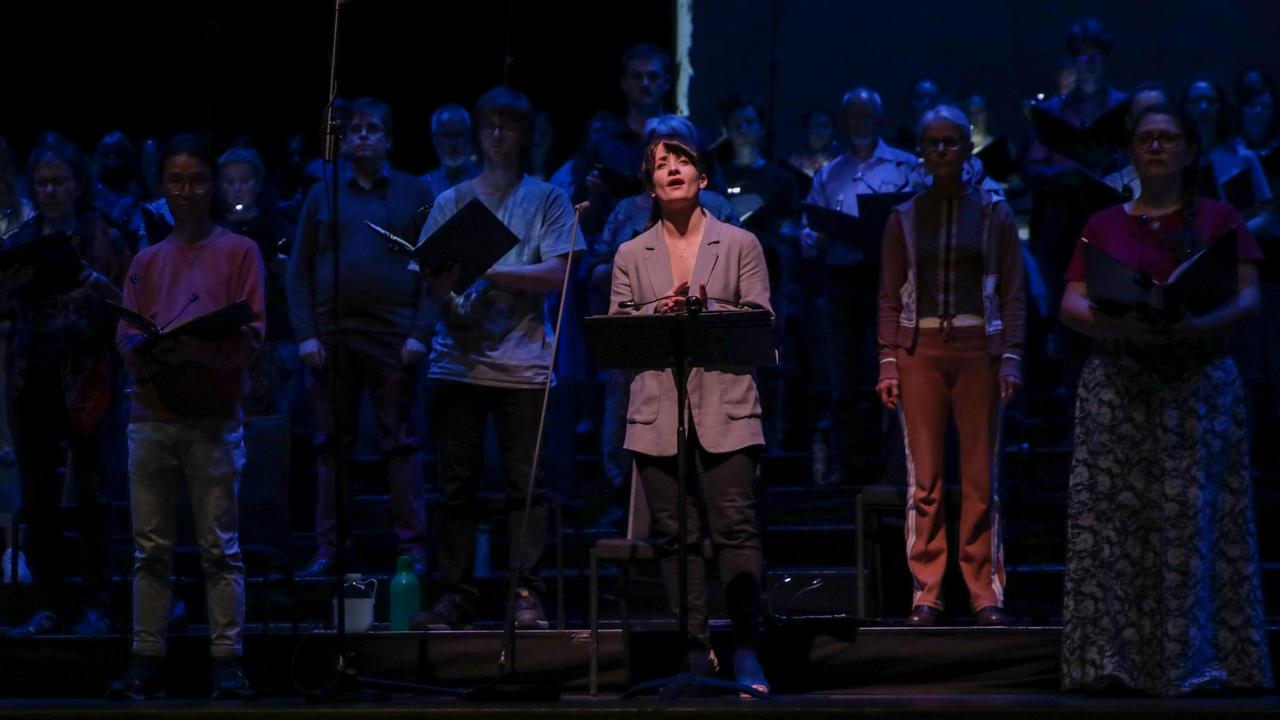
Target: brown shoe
point(923, 616)
point(992, 616)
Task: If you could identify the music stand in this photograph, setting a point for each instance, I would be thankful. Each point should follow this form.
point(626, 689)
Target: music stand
point(737, 339)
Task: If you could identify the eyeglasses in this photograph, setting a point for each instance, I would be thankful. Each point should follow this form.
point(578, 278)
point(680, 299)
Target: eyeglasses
point(938, 145)
point(370, 129)
point(53, 183)
point(1145, 140)
point(198, 184)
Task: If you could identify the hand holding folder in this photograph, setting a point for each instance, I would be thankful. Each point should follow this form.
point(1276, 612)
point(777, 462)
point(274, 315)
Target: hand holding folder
point(471, 240)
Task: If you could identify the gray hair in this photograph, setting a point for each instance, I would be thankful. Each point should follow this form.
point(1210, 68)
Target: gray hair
point(245, 155)
point(671, 125)
point(862, 94)
point(443, 112)
point(951, 114)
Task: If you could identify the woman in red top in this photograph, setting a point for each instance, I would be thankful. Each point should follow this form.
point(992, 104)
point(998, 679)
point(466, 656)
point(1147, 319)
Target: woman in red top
point(1161, 591)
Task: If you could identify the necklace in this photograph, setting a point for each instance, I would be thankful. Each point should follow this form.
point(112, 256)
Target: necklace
point(682, 247)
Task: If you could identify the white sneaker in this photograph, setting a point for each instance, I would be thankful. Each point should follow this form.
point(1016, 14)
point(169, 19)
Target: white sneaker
point(24, 574)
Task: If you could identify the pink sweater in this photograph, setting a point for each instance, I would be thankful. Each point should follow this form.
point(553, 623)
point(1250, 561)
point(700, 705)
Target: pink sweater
point(173, 282)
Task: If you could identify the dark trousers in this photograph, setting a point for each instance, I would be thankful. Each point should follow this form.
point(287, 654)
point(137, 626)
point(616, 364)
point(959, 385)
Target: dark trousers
point(720, 487)
point(369, 361)
point(459, 413)
point(41, 424)
point(850, 292)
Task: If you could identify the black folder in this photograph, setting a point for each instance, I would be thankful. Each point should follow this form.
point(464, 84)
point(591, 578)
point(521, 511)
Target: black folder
point(53, 258)
point(473, 239)
point(997, 158)
point(1108, 131)
point(1202, 283)
point(866, 229)
point(215, 325)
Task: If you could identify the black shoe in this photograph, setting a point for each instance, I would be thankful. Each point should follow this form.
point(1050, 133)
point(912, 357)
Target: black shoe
point(92, 622)
point(141, 682)
point(320, 566)
point(44, 622)
point(924, 616)
point(229, 680)
point(445, 614)
point(992, 616)
point(529, 613)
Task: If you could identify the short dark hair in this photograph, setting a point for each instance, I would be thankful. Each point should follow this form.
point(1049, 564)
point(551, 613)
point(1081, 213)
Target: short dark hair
point(645, 51)
point(1226, 125)
point(52, 146)
point(675, 145)
point(1088, 32)
point(503, 102)
point(366, 106)
point(1246, 95)
point(735, 102)
point(807, 116)
point(189, 144)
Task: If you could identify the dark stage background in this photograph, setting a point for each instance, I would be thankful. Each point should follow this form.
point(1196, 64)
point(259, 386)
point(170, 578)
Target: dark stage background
point(261, 68)
point(1006, 50)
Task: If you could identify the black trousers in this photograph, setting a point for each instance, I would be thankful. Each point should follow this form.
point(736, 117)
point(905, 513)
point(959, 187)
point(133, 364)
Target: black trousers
point(40, 425)
point(721, 489)
point(851, 306)
point(459, 412)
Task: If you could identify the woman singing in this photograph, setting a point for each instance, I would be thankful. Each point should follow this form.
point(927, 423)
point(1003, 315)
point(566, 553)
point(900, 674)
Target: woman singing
point(688, 248)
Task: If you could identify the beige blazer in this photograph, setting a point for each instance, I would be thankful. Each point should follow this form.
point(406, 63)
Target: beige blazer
point(723, 402)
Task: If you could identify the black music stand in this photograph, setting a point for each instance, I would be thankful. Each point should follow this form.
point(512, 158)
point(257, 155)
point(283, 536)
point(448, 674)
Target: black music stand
point(737, 339)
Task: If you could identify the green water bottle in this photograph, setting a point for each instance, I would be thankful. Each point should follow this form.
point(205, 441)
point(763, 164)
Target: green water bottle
point(406, 595)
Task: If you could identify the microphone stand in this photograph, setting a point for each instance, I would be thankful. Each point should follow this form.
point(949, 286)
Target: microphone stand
point(348, 681)
point(508, 685)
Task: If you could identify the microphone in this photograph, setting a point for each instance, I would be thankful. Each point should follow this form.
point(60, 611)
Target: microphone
point(582, 206)
point(629, 304)
point(194, 297)
point(1144, 219)
point(694, 303)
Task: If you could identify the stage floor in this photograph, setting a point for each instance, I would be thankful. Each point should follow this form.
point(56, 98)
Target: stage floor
point(917, 704)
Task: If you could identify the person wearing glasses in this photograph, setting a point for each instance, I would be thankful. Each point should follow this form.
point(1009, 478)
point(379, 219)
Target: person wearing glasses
point(185, 424)
point(490, 359)
point(64, 386)
point(1162, 591)
point(381, 334)
point(951, 330)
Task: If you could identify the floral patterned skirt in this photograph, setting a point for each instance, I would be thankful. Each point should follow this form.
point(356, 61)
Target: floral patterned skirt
point(1162, 592)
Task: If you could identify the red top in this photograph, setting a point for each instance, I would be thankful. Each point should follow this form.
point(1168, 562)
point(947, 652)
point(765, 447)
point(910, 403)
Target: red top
point(173, 282)
point(1142, 246)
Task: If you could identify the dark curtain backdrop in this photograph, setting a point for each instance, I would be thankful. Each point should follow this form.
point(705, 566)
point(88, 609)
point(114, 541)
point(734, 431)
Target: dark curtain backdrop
point(1006, 50)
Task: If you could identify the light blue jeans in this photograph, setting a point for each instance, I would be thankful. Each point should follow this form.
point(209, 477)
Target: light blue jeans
point(208, 454)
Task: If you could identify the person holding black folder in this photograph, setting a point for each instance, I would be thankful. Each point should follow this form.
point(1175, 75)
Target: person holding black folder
point(951, 329)
point(689, 252)
point(1162, 591)
point(868, 167)
point(1079, 138)
point(490, 358)
point(64, 385)
point(186, 421)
